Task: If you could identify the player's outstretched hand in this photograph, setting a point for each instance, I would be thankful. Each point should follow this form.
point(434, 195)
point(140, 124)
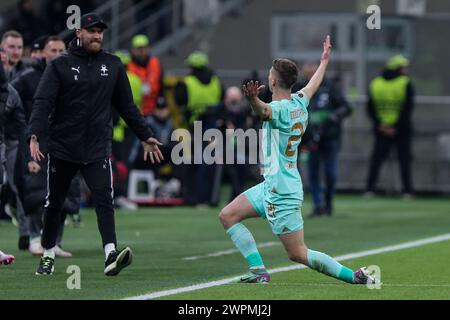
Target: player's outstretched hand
point(326, 49)
point(36, 153)
point(151, 149)
point(252, 89)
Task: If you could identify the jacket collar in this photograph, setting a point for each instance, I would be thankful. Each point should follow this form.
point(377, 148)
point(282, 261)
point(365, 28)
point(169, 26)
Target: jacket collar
point(40, 64)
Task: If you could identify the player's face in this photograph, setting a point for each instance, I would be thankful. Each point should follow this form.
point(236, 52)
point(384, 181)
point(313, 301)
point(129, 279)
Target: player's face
point(53, 49)
point(272, 79)
point(91, 39)
point(14, 49)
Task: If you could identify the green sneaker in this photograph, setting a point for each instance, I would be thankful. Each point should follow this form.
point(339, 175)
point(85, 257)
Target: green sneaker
point(255, 276)
point(46, 266)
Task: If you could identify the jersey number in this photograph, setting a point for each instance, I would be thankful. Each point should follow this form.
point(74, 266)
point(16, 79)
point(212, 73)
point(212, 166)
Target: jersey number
point(289, 152)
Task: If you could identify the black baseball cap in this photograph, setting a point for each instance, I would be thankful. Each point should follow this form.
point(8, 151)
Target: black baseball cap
point(39, 43)
point(90, 20)
point(161, 103)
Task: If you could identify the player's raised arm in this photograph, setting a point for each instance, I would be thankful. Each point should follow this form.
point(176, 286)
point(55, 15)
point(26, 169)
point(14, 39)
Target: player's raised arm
point(251, 91)
point(317, 78)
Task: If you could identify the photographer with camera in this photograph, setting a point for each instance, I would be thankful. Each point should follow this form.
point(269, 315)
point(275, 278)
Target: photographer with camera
point(327, 109)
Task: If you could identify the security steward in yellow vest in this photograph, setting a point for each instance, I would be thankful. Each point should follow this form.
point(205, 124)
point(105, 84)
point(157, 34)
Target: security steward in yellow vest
point(197, 95)
point(390, 107)
point(200, 89)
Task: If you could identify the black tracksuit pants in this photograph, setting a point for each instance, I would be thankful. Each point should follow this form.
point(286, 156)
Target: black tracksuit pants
point(381, 151)
point(98, 177)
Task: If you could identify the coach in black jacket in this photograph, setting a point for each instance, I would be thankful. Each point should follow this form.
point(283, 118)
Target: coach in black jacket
point(74, 99)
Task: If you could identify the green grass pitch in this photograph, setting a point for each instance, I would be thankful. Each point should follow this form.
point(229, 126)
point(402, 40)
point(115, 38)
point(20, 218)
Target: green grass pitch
point(162, 237)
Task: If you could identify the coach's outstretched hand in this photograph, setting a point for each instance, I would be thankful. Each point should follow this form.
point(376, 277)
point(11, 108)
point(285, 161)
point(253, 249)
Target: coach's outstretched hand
point(36, 153)
point(151, 148)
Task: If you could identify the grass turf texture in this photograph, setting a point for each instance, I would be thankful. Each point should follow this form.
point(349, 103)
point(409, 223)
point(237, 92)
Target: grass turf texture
point(161, 237)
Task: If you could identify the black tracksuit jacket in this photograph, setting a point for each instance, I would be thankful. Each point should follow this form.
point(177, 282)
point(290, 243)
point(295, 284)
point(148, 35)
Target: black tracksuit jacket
point(26, 85)
point(74, 100)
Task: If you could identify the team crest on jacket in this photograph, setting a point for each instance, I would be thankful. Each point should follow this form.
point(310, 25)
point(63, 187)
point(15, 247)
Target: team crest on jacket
point(104, 71)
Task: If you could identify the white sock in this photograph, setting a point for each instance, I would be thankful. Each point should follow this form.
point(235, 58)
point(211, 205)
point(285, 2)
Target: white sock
point(49, 253)
point(109, 247)
point(1, 253)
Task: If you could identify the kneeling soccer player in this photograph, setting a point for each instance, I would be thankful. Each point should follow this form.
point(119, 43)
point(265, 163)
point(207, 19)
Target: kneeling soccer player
point(279, 197)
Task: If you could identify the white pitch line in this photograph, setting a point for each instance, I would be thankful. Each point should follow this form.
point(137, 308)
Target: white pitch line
point(231, 251)
point(401, 246)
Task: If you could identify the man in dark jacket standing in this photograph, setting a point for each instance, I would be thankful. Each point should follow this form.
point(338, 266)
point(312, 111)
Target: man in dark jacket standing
point(3, 98)
point(74, 100)
point(4, 258)
point(14, 138)
point(327, 109)
point(32, 176)
point(27, 83)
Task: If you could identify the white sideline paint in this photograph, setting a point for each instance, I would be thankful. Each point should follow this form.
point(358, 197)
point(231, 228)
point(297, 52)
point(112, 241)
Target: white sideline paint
point(195, 287)
point(231, 251)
